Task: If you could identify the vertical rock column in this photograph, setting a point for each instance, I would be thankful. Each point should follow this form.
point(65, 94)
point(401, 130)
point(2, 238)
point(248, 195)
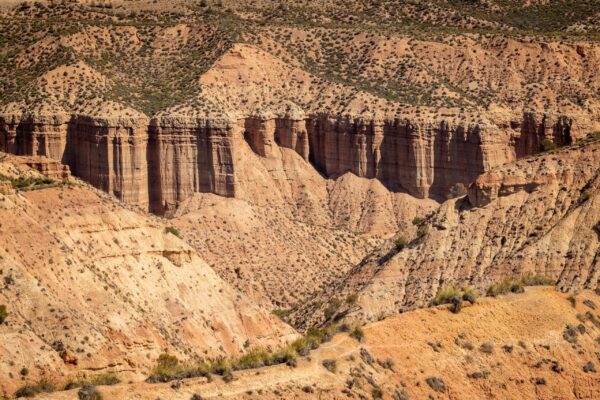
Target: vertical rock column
point(290, 132)
point(110, 153)
point(188, 155)
point(35, 135)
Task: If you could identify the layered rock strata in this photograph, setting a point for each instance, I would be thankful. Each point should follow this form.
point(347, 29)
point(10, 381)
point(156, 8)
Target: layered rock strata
point(158, 163)
point(536, 216)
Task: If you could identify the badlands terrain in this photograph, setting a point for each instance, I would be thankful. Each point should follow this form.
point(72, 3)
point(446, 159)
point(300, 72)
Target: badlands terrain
point(277, 199)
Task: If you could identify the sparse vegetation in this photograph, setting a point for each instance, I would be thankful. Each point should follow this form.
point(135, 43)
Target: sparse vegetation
point(33, 389)
point(487, 347)
point(331, 308)
point(454, 295)
point(173, 231)
point(169, 367)
point(108, 378)
point(436, 383)
point(330, 365)
point(584, 196)
point(89, 392)
point(3, 313)
point(281, 313)
point(505, 286)
point(352, 299)
point(509, 285)
point(377, 393)
point(400, 243)
point(357, 333)
point(548, 145)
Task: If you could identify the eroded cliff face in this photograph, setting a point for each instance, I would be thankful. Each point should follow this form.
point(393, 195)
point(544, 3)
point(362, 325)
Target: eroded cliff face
point(538, 215)
point(186, 156)
point(156, 164)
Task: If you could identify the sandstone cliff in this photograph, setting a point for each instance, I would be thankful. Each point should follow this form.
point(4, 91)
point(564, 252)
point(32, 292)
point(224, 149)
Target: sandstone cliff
point(156, 163)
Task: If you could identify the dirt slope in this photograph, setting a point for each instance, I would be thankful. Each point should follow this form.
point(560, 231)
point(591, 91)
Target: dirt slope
point(290, 232)
point(519, 351)
point(91, 285)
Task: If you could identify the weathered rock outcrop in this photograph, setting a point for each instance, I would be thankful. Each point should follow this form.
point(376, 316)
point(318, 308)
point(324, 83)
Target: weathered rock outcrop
point(188, 155)
point(157, 164)
point(538, 215)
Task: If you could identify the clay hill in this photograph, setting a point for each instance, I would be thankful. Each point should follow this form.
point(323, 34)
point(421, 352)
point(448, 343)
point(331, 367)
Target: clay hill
point(90, 285)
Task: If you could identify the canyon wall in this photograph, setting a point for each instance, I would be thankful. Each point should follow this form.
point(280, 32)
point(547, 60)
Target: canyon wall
point(158, 163)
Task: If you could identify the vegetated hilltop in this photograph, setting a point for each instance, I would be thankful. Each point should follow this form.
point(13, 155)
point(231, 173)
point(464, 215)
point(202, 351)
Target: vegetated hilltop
point(536, 345)
point(91, 286)
point(538, 216)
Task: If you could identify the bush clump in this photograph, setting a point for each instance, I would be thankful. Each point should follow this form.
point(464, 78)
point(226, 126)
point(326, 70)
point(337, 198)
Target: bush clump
point(31, 390)
point(89, 392)
point(436, 384)
point(400, 243)
point(107, 379)
point(454, 295)
point(173, 231)
point(169, 368)
point(3, 313)
point(509, 285)
point(330, 365)
point(505, 286)
point(357, 333)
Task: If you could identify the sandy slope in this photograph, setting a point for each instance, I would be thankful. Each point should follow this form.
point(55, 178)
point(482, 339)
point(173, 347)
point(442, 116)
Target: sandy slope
point(538, 363)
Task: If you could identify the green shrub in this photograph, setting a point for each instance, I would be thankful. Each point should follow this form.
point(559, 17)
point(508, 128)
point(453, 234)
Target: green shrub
point(422, 231)
point(331, 308)
point(281, 313)
point(286, 355)
point(418, 221)
point(172, 230)
point(548, 145)
point(584, 196)
point(505, 286)
point(169, 368)
point(357, 333)
point(30, 390)
point(452, 294)
point(352, 299)
point(530, 279)
point(509, 285)
point(255, 358)
point(330, 365)
point(89, 392)
point(401, 243)
point(377, 393)
point(445, 295)
point(3, 313)
point(106, 379)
